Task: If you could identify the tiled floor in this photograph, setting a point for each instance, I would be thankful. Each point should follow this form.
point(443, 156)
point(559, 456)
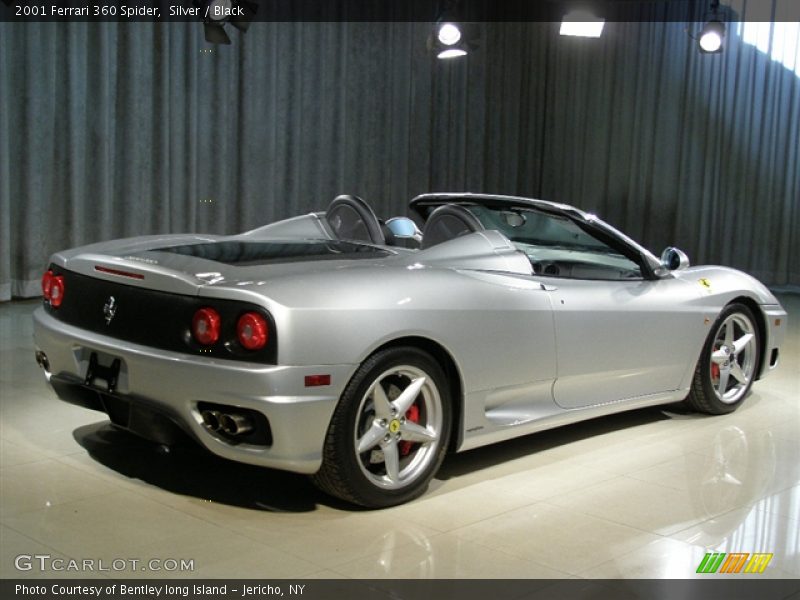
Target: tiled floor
point(644, 494)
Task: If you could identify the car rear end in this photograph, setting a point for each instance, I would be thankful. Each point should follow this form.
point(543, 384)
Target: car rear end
point(164, 354)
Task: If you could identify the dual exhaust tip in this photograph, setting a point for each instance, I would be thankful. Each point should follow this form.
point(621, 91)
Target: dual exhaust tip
point(41, 360)
point(229, 423)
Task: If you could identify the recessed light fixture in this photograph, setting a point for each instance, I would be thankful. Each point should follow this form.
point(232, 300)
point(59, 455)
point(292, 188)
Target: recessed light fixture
point(580, 23)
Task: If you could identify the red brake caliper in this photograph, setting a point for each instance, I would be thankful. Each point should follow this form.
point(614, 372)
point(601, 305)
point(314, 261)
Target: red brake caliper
point(714, 371)
point(412, 414)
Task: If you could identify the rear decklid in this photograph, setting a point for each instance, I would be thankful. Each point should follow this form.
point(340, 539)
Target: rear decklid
point(125, 261)
point(186, 264)
point(147, 291)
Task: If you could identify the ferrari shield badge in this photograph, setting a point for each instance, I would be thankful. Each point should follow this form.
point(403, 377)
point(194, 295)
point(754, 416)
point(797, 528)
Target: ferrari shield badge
point(110, 309)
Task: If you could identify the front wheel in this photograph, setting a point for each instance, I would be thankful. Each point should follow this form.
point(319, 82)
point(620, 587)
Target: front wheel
point(389, 432)
point(728, 364)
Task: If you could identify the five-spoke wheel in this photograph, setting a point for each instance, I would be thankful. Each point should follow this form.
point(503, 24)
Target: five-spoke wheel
point(728, 364)
point(399, 426)
point(390, 431)
point(733, 357)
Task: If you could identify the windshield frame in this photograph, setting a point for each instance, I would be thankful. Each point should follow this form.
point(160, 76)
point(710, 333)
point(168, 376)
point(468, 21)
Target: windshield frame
point(423, 205)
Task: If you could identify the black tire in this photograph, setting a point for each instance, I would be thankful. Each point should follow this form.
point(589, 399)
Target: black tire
point(379, 476)
point(739, 361)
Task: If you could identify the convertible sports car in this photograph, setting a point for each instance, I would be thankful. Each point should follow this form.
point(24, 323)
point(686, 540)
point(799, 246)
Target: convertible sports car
point(359, 351)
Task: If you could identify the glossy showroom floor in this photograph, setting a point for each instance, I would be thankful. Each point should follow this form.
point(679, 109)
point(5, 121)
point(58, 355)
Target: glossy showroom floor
point(645, 494)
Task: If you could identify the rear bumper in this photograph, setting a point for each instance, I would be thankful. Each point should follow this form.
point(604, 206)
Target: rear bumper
point(171, 385)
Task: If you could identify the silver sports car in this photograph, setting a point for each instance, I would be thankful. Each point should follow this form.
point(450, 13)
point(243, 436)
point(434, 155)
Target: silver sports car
point(360, 351)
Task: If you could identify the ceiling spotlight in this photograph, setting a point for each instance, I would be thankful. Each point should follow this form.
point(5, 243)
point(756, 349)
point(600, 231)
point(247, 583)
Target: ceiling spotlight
point(451, 53)
point(580, 23)
point(711, 37)
point(448, 34)
point(215, 13)
point(450, 40)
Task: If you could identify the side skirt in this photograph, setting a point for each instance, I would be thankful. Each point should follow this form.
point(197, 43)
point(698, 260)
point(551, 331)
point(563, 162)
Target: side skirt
point(553, 416)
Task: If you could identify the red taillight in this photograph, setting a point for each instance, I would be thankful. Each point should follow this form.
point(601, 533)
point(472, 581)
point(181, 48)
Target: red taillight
point(47, 282)
point(57, 291)
point(252, 331)
point(53, 288)
point(205, 326)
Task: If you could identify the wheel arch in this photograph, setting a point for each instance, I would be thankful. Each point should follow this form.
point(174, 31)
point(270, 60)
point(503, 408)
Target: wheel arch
point(761, 329)
point(451, 370)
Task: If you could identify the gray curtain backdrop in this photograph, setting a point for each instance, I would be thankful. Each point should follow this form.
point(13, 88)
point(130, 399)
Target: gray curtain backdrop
point(113, 130)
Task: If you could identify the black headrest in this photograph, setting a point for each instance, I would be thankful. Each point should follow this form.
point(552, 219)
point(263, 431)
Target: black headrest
point(351, 218)
point(448, 222)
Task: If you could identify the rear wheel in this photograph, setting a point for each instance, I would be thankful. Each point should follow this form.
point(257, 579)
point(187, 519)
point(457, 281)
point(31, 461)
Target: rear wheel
point(728, 364)
point(389, 433)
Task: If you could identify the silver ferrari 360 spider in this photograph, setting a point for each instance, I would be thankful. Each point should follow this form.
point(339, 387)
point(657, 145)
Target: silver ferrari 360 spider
point(360, 351)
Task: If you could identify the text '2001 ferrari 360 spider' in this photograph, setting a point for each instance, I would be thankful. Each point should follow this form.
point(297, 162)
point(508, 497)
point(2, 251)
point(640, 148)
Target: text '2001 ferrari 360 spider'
point(360, 351)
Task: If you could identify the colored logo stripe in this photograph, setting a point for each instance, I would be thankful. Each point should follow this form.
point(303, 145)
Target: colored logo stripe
point(734, 563)
point(714, 562)
point(711, 562)
point(758, 563)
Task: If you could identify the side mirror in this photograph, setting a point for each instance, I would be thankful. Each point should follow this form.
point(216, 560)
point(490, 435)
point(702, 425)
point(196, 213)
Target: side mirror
point(673, 259)
point(404, 228)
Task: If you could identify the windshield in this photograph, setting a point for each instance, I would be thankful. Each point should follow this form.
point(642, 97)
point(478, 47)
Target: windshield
point(556, 245)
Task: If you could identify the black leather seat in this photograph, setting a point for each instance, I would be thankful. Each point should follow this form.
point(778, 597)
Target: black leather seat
point(351, 218)
point(447, 222)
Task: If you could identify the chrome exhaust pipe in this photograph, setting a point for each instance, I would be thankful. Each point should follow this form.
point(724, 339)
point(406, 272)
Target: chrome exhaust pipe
point(41, 360)
point(235, 423)
point(44, 363)
point(212, 419)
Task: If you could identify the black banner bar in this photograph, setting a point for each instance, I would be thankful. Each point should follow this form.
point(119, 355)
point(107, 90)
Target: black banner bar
point(385, 10)
point(730, 588)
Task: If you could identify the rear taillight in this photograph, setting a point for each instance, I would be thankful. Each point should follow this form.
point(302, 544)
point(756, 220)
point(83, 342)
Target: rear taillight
point(205, 326)
point(57, 291)
point(47, 281)
point(53, 288)
point(252, 331)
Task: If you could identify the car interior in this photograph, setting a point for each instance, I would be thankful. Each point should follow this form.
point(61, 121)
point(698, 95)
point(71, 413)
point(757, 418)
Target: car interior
point(556, 247)
point(351, 218)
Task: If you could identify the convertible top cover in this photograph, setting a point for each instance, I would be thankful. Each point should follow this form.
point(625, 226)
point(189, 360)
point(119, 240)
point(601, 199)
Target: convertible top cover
point(265, 253)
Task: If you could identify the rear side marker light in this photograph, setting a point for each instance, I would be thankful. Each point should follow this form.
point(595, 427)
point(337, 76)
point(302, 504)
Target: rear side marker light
point(206, 325)
point(317, 380)
point(252, 331)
